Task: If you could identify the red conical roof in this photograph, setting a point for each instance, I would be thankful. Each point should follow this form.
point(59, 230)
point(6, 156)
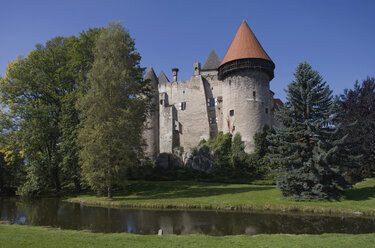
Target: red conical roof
point(244, 45)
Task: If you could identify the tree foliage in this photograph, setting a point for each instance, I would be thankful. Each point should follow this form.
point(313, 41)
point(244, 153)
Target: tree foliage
point(113, 111)
point(39, 94)
point(357, 110)
point(310, 153)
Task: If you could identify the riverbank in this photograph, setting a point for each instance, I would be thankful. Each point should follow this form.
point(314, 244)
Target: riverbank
point(27, 236)
point(360, 200)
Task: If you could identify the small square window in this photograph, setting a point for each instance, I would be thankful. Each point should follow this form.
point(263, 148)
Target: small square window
point(231, 112)
point(266, 110)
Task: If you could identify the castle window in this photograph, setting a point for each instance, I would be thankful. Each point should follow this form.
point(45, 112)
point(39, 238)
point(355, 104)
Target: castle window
point(231, 112)
point(254, 94)
point(182, 106)
point(266, 110)
point(161, 102)
point(230, 82)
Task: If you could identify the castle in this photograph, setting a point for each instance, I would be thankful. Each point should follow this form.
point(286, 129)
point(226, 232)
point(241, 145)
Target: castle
point(231, 95)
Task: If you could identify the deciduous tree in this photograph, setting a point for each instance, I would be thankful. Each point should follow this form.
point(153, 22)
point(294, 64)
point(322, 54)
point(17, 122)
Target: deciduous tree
point(113, 111)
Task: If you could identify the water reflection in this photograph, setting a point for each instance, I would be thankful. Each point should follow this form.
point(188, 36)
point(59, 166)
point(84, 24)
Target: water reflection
point(55, 213)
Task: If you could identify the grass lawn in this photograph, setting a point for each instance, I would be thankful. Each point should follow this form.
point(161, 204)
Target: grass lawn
point(183, 194)
point(26, 236)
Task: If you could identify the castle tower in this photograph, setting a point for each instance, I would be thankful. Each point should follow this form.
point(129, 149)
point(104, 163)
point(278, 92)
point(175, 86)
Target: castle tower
point(151, 132)
point(246, 71)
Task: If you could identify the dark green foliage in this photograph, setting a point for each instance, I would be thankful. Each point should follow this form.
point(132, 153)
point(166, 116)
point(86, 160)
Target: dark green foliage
point(12, 175)
point(357, 112)
point(306, 146)
point(226, 154)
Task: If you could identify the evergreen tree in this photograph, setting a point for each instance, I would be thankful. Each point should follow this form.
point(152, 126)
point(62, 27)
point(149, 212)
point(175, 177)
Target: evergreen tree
point(357, 106)
point(306, 146)
point(113, 111)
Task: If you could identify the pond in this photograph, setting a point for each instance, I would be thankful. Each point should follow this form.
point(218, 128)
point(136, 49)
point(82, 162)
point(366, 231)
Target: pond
point(57, 213)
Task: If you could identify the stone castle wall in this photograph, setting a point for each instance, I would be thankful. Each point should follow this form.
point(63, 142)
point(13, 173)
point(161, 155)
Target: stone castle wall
point(201, 107)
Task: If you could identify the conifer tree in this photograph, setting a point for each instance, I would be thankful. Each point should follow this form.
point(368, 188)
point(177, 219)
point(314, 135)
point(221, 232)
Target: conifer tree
point(113, 111)
point(306, 146)
point(357, 106)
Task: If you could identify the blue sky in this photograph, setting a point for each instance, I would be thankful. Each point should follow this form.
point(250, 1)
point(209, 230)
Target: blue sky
point(337, 37)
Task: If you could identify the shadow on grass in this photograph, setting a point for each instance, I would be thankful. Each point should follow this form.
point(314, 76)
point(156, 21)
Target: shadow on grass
point(177, 189)
point(360, 194)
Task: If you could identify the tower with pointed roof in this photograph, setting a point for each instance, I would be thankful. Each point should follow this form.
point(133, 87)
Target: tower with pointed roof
point(246, 71)
point(231, 95)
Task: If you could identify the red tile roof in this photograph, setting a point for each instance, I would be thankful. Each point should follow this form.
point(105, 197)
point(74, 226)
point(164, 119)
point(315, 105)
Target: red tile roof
point(244, 45)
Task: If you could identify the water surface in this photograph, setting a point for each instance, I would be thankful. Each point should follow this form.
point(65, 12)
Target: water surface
point(56, 213)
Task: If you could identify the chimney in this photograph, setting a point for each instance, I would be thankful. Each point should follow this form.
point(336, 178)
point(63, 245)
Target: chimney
point(174, 71)
point(197, 68)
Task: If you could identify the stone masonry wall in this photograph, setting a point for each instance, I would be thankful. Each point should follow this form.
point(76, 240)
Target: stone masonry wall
point(246, 105)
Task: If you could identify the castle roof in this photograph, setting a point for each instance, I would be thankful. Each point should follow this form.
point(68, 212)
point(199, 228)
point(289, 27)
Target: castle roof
point(212, 62)
point(244, 45)
point(163, 78)
point(152, 76)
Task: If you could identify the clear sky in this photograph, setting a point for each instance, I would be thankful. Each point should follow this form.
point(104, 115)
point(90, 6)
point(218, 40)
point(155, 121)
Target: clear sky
point(337, 37)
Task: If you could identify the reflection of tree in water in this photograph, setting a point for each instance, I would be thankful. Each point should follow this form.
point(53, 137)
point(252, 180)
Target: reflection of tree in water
point(40, 211)
point(8, 210)
point(53, 212)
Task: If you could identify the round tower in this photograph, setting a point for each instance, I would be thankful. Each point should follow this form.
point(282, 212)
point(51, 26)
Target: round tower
point(246, 71)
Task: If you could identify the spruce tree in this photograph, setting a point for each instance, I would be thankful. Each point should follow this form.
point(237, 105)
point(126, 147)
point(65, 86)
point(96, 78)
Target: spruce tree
point(113, 111)
point(307, 146)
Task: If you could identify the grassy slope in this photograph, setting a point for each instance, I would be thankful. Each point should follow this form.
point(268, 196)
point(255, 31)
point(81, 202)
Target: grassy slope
point(209, 195)
point(25, 236)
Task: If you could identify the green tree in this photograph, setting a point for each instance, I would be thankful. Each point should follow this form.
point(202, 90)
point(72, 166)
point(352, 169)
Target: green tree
point(357, 106)
point(306, 146)
point(113, 111)
point(238, 154)
point(80, 60)
point(38, 92)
